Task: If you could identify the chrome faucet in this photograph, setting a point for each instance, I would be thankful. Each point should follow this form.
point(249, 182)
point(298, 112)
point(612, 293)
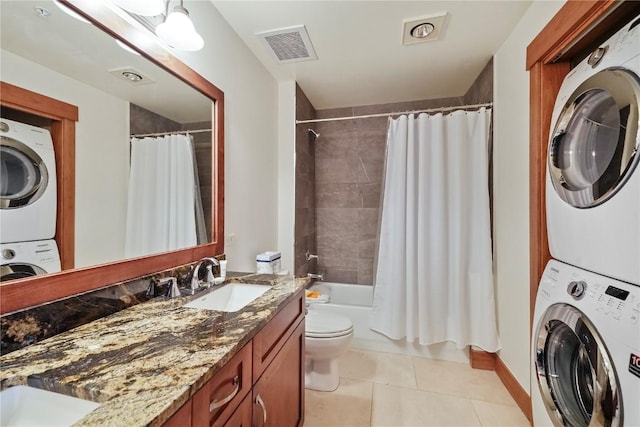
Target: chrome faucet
point(195, 275)
point(172, 290)
point(315, 276)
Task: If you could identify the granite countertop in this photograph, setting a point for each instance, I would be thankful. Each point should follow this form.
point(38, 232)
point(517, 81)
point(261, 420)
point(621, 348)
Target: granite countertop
point(143, 363)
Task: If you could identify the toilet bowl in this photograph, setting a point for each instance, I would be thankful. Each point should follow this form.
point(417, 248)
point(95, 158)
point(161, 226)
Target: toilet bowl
point(327, 336)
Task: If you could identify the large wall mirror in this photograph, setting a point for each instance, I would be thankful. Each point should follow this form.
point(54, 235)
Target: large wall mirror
point(94, 65)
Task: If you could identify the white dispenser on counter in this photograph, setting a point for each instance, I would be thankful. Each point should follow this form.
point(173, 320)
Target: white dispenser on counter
point(268, 262)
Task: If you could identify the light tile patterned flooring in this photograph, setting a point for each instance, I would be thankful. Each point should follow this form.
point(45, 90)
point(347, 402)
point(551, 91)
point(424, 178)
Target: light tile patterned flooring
point(384, 389)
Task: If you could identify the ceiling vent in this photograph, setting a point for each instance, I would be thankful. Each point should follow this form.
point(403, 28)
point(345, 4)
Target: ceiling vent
point(131, 75)
point(424, 29)
point(291, 44)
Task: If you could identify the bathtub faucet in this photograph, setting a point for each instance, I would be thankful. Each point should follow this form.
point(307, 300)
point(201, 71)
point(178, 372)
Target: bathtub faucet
point(310, 256)
point(315, 276)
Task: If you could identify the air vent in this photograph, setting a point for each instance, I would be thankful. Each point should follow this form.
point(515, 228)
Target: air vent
point(291, 44)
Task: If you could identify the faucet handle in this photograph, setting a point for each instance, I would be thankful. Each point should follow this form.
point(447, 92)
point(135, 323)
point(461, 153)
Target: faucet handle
point(172, 291)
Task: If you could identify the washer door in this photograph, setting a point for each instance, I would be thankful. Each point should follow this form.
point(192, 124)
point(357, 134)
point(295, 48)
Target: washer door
point(593, 150)
point(576, 376)
point(19, 270)
point(23, 174)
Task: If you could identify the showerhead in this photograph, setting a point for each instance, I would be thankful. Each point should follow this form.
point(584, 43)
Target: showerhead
point(315, 134)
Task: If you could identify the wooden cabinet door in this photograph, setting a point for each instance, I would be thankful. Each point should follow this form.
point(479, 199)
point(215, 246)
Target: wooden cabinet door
point(268, 342)
point(278, 396)
point(242, 416)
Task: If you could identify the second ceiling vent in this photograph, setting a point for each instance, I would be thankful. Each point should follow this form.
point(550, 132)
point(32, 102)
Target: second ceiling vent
point(291, 44)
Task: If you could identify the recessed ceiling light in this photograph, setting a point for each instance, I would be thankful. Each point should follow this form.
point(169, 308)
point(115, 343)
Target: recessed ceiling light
point(423, 28)
point(131, 75)
point(421, 31)
point(41, 11)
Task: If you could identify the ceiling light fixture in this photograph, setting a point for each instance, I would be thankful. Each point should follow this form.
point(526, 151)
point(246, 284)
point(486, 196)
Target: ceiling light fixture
point(141, 7)
point(178, 31)
point(130, 75)
point(423, 30)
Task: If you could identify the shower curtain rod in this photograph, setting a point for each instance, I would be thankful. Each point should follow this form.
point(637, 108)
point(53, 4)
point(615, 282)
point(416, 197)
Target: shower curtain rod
point(366, 116)
point(175, 132)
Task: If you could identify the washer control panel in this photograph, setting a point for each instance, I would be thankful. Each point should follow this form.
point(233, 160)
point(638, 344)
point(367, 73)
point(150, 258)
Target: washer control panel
point(617, 302)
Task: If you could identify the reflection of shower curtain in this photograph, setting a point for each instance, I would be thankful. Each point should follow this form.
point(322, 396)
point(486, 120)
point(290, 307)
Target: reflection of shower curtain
point(434, 278)
point(161, 213)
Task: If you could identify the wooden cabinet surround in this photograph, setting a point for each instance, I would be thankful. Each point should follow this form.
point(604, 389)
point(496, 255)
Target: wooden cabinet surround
point(577, 28)
point(262, 385)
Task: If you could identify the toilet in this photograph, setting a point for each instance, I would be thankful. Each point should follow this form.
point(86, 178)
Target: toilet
point(327, 336)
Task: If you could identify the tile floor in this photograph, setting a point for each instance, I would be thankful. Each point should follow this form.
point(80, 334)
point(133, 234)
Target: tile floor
point(384, 389)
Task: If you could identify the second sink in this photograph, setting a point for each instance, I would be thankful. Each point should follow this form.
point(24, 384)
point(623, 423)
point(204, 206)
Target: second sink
point(230, 298)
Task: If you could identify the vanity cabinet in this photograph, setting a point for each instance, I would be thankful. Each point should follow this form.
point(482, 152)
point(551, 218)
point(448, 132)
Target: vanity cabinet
point(278, 394)
point(262, 385)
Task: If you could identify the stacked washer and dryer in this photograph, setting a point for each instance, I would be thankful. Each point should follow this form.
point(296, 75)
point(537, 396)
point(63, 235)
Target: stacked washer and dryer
point(28, 201)
point(586, 329)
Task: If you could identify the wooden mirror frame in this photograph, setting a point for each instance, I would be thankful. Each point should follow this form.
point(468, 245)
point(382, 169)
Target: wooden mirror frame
point(28, 292)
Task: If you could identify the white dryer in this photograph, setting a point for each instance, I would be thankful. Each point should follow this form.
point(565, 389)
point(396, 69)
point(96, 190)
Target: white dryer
point(26, 259)
point(27, 183)
point(585, 350)
point(593, 178)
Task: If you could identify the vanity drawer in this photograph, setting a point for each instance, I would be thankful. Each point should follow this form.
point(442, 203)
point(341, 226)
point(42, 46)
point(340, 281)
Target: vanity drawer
point(268, 342)
point(216, 401)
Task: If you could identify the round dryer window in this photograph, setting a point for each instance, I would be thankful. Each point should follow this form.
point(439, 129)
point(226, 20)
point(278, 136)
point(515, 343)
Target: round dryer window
point(576, 376)
point(23, 174)
point(19, 271)
point(594, 145)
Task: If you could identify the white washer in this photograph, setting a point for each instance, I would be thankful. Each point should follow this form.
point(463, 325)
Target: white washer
point(593, 178)
point(27, 183)
point(26, 259)
point(585, 350)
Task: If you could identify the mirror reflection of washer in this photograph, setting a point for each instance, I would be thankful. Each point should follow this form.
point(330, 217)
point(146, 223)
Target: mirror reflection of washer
point(27, 183)
point(26, 259)
point(593, 177)
point(585, 350)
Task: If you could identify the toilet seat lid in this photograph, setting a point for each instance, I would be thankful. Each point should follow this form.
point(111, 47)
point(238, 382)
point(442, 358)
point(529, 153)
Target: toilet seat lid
point(320, 324)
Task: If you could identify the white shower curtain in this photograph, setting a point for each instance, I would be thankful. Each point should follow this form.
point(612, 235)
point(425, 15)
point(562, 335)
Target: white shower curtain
point(434, 279)
point(161, 200)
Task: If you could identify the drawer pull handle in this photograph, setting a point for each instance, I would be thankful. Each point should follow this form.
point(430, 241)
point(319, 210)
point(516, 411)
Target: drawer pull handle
point(218, 403)
point(264, 410)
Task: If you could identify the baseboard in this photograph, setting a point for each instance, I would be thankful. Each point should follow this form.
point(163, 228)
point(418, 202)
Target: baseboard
point(514, 388)
point(482, 360)
point(490, 361)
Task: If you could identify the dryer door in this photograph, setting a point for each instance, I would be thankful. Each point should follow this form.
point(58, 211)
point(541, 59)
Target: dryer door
point(593, 148)
point(19, 270)
point(23, 174)
point(575, 373)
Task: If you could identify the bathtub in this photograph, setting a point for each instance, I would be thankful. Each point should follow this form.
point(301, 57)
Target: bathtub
point(355, 301)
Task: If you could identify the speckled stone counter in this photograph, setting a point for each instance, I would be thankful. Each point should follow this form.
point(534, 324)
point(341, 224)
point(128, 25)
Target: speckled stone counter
point(143, 363)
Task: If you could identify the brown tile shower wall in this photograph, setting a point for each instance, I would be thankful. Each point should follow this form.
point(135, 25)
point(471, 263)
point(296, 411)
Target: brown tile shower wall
point(305, 185)
point(349, 162)
point(349, 171)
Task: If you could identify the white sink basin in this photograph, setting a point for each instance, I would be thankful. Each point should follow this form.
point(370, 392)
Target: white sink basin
point(231, 297)
point(28, 406)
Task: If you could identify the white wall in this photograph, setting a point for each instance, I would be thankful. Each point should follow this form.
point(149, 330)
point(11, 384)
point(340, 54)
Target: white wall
point(102, 157)
point(511, 188)
point(251, 135)
point(286, 173)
